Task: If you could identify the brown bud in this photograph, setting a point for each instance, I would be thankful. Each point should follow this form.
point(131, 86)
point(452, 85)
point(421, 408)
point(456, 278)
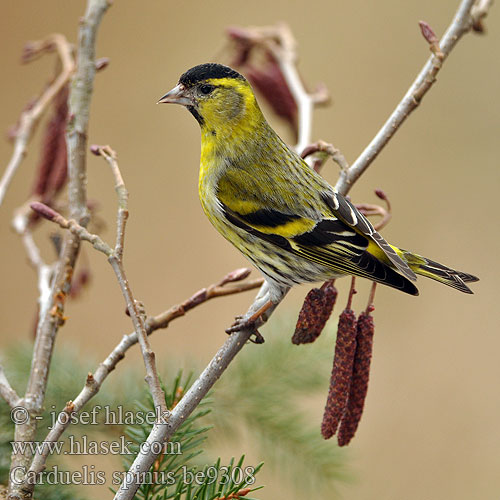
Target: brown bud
point(315, 312)
point(340, 381)
point(361, 373)
point(44, 210)
point(30, 49)
point(428, 32)
point(236, 275)
point(95, 149)
point(478, 26)
point(102, 63)
point(431, 38)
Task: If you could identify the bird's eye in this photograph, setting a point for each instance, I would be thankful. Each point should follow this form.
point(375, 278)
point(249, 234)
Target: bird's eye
point(206, 88)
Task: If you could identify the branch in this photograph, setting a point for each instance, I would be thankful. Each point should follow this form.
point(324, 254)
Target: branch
point(115, 259)
point(72, 226)
point(182, 410)
point(280, 43)
point(142, 329)
point(323, 150)
point(49, 323)
point(31, 116)
point(368, 210)
point(144, 459)
point(228, 285)
point(461, 24)
point(6, 390)
point(110, 156)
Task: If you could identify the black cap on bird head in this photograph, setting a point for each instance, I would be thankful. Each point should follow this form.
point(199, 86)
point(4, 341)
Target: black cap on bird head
point(208, 71)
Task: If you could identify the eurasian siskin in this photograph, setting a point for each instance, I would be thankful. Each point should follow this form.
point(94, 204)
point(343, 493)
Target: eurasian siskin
point(266, 200)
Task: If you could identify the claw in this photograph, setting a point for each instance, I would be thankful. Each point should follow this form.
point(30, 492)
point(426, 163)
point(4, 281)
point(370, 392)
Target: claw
point(259, 339)
point(241, 324)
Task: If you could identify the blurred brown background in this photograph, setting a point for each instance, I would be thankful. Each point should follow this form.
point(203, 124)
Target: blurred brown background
point(431, 423)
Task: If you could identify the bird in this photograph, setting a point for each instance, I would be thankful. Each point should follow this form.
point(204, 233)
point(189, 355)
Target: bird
point(273, 207)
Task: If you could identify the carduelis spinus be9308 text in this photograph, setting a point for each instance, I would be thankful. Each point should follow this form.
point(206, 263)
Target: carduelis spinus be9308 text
point(273, 207)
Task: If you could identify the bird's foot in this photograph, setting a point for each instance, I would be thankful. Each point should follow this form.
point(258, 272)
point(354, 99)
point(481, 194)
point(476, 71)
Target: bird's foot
point(251, 322)
point(242, 324)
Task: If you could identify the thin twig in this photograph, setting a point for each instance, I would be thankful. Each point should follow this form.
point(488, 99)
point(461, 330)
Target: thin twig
point(371, 299)
point(235, 342)
point(368, 209)
point(140, 328)
point(228, 285)
point(326, 149)
point(183, 409)
point(49, 323)
point(6, 390)
point(110, 156)
point(31, 116)
point(72, 226)
point(116, 261)
point(461, 24)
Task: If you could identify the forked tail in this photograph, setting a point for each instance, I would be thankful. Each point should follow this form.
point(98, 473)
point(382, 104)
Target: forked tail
point(434, 270)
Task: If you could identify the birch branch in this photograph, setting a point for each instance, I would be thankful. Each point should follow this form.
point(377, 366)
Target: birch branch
point(49, 323)
point(228, 285)
point(115, 258)
point(116, 261)
point(468, 13)
point(182, 410)
point(145, 458)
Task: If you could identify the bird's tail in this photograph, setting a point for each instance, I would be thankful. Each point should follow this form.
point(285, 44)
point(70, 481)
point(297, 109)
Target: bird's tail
point(427, 267)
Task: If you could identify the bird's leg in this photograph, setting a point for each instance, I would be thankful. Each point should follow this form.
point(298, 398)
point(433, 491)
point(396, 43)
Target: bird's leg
point(256, 319)
point(266, 300)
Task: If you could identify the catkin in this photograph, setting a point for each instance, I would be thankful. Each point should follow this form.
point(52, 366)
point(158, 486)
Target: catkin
point(340, 381)
point(52, 167)
point(315, 312)
point(359, 384)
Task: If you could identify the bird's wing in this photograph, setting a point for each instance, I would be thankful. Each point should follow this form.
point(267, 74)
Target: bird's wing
point(330, 243)
point(342, 208)
point(314, 230)
point(314, 219)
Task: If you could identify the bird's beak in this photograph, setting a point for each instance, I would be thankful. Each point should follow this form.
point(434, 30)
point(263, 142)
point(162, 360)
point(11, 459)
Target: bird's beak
point(177, 95)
